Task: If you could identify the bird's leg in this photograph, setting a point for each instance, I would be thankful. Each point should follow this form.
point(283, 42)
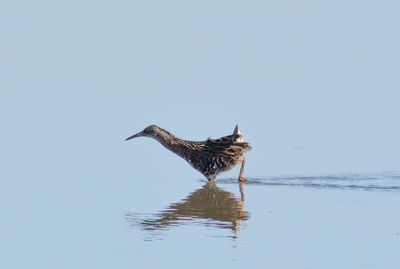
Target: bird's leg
point(241, 178)
point(241, 191)
point(210, 178)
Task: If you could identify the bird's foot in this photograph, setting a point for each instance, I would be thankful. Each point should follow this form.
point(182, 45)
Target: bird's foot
point(242, 179)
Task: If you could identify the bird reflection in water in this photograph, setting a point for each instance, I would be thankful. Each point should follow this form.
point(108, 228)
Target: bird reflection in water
point(209, 206)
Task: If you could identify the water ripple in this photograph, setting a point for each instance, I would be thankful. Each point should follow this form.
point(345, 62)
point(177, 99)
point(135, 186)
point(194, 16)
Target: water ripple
point(387, 181)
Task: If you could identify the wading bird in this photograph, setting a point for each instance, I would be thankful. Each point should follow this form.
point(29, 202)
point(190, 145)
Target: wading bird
point(209, 157)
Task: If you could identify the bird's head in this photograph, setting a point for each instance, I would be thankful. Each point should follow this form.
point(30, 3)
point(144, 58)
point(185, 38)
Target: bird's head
point(149, 131)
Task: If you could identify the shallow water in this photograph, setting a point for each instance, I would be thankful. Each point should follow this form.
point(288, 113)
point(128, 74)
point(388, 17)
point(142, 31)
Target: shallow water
point(388, 181)
point(208, 206)
point(212, 207)
point(76, 195)
point(325, 221)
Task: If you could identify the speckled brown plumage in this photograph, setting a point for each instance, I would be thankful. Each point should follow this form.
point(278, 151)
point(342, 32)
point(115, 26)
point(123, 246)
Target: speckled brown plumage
point(209, 157)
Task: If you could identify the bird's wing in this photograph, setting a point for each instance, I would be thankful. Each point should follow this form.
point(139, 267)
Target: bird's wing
point(227, 144)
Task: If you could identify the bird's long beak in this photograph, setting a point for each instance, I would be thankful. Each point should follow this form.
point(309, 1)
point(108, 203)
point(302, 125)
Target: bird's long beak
point(135, 135)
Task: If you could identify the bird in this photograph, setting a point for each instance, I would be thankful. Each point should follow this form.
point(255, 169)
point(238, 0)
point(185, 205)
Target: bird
point(210, 157)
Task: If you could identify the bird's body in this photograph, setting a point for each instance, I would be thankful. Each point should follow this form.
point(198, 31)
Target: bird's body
point(209, 157)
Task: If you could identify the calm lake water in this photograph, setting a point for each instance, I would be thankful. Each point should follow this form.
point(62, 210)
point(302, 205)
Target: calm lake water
point(76, 195)
point(313, 86)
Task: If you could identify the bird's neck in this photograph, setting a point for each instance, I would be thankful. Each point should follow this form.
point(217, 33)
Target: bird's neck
point(174, 144)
